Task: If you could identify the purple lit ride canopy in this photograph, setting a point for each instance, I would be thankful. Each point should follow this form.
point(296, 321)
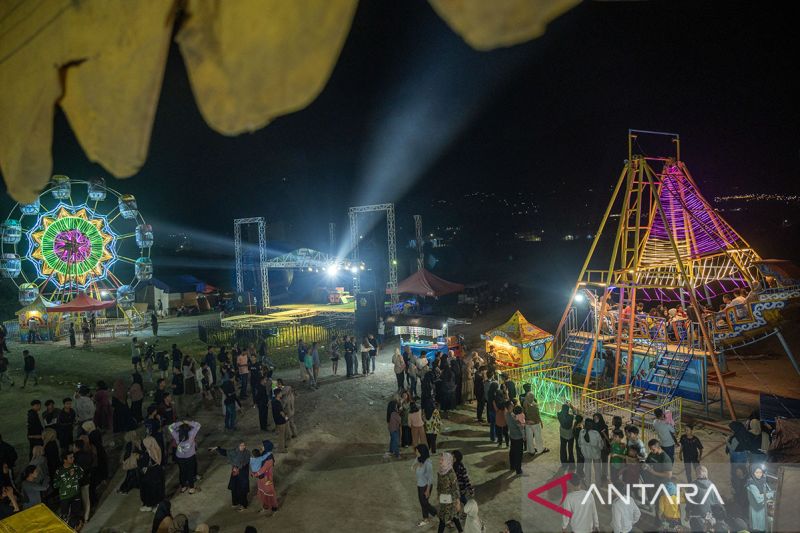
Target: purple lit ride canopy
point(716, 256)
point(424, 283)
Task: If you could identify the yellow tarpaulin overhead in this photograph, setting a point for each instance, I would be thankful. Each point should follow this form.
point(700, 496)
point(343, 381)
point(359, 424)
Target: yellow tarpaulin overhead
point(38, 518)
point(488, 24)
point(249, 61)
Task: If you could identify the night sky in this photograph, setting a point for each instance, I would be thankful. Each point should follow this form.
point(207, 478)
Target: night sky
point(412, 114)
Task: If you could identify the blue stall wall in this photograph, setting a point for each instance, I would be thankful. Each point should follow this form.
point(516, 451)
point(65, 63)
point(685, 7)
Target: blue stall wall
point(690, 387)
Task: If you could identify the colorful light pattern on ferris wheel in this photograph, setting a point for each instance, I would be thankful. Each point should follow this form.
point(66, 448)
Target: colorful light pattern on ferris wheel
point(73, 246)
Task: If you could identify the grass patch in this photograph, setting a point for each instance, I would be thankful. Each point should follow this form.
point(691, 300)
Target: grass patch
point(61, 369)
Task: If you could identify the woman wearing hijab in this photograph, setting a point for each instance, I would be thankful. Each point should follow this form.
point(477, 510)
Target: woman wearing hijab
point(472, 523)
point(393, 423)
point(447, 488)
point(423, 470)
point(162, 521)
point(51, 451)
point(130, 462)
point(40, 462)
point(151, 475)
point(239, 484)
point(448, 398)
point(122, 418)
point(758, 493)
point(600, 426)
point(102, 412)
point(591, 444)
point(468, 381)
point(262, 466)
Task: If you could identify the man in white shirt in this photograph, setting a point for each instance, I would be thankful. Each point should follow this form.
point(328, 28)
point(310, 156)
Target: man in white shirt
point(381, 333)
point(584, 516)
point(624, 514)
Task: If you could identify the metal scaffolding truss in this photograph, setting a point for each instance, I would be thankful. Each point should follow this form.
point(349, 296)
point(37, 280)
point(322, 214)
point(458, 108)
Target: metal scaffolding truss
point(420, 248)
point(262, 255)
point(305, 258)
point(391, 244)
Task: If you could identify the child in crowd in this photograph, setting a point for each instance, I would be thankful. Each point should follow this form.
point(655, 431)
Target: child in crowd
point(618, 454)
point(519, 414)
point(631, 471)
point(633, 440)
point(417, 425)
point(669, 508)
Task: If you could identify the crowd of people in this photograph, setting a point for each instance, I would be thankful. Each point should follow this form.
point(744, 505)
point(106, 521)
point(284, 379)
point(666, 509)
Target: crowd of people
point(68, 464)
point(591, 450)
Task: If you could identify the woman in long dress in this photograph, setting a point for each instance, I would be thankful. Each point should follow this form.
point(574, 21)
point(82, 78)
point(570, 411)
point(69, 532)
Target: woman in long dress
point(239, 484)
point(447, 488)
point(122, 417)
point(131, 452)
point(468, 382)
point(151, 475)
point(262, 467)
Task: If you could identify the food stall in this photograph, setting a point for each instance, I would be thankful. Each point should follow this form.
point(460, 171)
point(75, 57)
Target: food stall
point(517, 342)
point(424, 333)
point(36, 310)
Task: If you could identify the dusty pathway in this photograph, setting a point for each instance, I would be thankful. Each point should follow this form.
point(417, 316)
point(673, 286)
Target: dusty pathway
point(335, 477)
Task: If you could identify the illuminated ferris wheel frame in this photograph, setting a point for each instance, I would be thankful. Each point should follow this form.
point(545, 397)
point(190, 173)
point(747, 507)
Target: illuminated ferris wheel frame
point(75, 240)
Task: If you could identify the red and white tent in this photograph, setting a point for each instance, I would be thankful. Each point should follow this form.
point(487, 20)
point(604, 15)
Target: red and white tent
point(82, 303)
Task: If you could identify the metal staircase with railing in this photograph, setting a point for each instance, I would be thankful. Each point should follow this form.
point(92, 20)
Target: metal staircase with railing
point(663, 380)
point(571, 347)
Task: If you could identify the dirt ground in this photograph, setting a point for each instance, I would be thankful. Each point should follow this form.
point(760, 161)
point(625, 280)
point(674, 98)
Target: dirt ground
point(335, 476)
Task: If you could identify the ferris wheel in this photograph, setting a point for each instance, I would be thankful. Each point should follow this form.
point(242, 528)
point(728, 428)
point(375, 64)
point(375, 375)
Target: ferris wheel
point(77, 236)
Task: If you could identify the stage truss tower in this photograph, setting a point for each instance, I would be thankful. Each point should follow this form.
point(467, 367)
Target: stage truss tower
point(262, 255)
point(420, 246)
point(391, 244)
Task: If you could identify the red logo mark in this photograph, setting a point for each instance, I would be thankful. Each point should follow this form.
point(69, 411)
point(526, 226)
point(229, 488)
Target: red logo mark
point(558, 482)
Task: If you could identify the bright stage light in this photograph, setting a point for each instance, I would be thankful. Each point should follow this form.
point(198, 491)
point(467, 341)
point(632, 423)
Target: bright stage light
point(330, 272)
point(353, 270)
point(579, 298)
point(362, 267)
